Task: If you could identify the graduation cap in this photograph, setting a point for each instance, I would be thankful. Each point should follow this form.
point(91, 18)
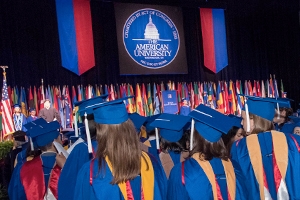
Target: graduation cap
point(17, 105)
point(282, 102)
point(32, 109)
point(137, 120)
point(83, 104)
point(149, 120)
point(171, 126)
point(263, 107)
point(113, 112)
point(210, 123)
point(19, 136)
point(43, 133)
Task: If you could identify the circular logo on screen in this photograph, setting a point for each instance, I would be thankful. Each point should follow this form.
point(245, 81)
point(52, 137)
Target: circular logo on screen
point(151, 38)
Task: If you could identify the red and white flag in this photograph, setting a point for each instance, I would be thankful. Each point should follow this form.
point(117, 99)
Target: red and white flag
point(7, 122)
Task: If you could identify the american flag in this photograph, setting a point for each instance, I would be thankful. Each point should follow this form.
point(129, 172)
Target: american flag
point(7, 123)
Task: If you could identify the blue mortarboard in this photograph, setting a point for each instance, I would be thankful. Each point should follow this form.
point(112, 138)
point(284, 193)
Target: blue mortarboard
point(263, 107)
point(210, 123)
point(282, 102)
point(149, 120)
point(31, 125)
point(112, 112)
point(295, 119)
point(31, 109)
point(85, 103)
point(137, 120)
point(43, 133)
point(237, 120)
point(171, 126)
point(17, 105)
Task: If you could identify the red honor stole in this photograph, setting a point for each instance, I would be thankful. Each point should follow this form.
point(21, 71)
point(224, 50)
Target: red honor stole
point(32, 178)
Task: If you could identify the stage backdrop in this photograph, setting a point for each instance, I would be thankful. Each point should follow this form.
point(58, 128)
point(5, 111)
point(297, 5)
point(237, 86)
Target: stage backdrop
point(150, 39)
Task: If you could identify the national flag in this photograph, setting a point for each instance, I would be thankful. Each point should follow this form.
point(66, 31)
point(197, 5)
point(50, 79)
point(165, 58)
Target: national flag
point(145, 100)
point(192, 95)
point(232, 98)
point(55, 102)
point(179, 88)
point(258, 89)
point(246, 89)
point(30, 99)
point(250, 88)
point(156, 101)
point(138, 101)
point(263, 92)
point(42, 96)
point(226, 98)
point(67, 108)
point(205, 97)
point(130, 101)
point(240, 99)
point(220, 102)
point(7, 122)
point(82, 93)
point(35, 99)
point(271, 87)
point(74, 97)
point(79, 93)
point(254, 89)
point(196, 98)
point(200, 89)
point(75, 35)
point(282, 90)
point(276, 93)
point(23, 102)
point(214, 38)
point(149, 96)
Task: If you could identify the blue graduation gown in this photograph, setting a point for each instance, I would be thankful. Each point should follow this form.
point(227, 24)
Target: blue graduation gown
point(153, 150)
point(242, 164)
point(68, 175)
point(102, 189)
point(30, 119)
point(185, 110)
point(197, 185)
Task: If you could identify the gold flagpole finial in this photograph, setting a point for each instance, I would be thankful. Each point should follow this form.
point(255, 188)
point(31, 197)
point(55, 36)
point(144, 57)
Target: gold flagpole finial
point(4, 67)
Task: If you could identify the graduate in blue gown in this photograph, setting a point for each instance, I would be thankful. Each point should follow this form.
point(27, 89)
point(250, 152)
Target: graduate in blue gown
point(80, 154)
point(208, 174)
point(32, 115)
point(267, 160)
point(172, 143)
point(185, 109)
point(37, 179)
point(120, 170)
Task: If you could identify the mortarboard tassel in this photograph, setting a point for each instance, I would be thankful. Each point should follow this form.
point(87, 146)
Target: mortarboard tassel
point(247, 116)
point(88, 135)
point(157, 140)
point(192, 134)
point(75, 125)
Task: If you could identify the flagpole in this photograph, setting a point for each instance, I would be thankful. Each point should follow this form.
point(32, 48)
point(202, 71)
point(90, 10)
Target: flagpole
point(4, 75)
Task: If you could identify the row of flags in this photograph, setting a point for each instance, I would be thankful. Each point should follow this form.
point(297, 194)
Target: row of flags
point(225, 96)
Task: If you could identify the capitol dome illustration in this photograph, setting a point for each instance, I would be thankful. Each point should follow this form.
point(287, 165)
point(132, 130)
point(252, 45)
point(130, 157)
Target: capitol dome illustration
point(151, 31)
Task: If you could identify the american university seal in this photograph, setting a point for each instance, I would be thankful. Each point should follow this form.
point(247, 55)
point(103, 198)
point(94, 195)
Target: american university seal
point(150, 38)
